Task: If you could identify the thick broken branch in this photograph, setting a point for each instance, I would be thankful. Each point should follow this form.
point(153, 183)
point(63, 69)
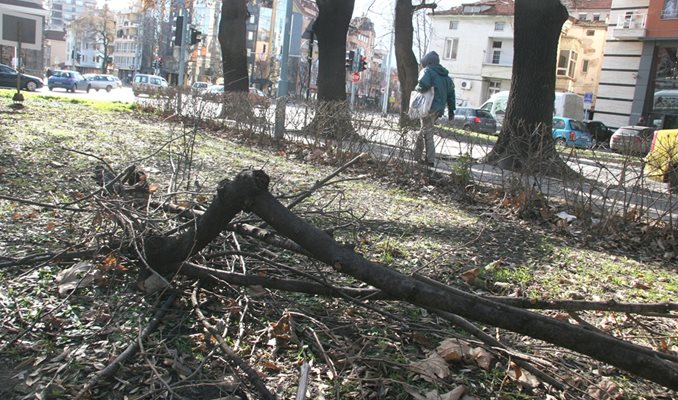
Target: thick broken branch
point(250, 191)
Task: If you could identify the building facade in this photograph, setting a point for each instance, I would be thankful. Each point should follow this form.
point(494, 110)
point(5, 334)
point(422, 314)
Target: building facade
point(22, 34)
point(63, 12)
point(475, 43)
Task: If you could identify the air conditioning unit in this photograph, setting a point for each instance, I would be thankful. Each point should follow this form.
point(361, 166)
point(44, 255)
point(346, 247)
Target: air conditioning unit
point(465, 85)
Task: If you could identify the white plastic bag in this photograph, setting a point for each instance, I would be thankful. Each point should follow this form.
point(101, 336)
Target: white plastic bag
point(420, 103)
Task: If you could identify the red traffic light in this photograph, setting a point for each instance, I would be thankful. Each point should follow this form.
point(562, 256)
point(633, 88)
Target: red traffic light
point(363, 63)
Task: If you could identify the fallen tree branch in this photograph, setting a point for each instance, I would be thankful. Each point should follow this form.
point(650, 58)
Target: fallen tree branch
point(233, 358)
point(131, 349)
point(249, 191)
point(40, 204)
point(579, 305)
point(304, 195)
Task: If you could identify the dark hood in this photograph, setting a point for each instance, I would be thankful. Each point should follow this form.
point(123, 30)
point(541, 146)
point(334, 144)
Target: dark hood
point(429, 59)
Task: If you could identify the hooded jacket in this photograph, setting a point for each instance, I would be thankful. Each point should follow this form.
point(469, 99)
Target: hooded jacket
point(437, 76)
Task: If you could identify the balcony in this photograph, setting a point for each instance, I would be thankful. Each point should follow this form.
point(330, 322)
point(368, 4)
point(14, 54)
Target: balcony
point(630, 26)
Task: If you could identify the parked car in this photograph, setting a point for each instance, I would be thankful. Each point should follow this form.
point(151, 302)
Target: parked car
point(571, 132)
point(8, 77)
point(599, 131)
point(661, 163)
point(69, 80)
point(474, 119)
point(144, 83)
point(199, 87)
point(105, 82)
point(632, 140)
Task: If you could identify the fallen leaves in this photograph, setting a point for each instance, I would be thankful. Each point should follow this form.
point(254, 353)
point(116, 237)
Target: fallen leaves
point(436, 365)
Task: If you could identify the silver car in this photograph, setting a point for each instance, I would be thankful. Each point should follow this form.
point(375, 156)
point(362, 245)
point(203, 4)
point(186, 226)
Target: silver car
point(632, 140)
point(101, 81)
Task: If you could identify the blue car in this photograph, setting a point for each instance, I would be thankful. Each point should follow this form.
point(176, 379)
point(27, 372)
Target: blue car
point(570, 132)
point(69, 80)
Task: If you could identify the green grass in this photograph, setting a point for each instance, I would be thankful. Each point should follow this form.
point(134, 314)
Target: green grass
point(99, 105)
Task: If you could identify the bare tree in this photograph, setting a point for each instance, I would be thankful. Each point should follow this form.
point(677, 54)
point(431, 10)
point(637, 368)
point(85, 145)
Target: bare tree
point(233, 38)
point(406, 61)
point(332, 117)
point(97, 26)
point(330, 29)
point(525, 142)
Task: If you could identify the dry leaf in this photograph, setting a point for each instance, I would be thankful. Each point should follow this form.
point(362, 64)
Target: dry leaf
point(605, 390)
point(523, 377)
point(455, 394)
point(470, 275)
point(452, 350)
point(482, 357)
point(432, 368)
point(153, 187)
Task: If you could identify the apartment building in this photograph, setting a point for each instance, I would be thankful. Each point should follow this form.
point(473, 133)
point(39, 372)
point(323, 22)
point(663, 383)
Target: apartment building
point(128, 43)
point(475, 42)
point(29, 16)
point(63, 12)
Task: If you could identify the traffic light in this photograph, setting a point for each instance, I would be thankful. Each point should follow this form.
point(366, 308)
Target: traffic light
point(196, 36)
point(363, 64)
point(178, 30)
point(349, 60)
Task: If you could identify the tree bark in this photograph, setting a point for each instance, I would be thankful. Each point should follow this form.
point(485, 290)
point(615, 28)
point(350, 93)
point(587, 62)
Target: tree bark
point(332, 117)
point(525, 142)
point(232, 38)
point(330, 30)
point(406, 60)
point(249, 191)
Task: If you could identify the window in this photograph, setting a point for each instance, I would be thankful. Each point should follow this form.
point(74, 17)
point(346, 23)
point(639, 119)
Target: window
point(585, 66)
point(454, 24)
point(250, 35)
point(582, 16)
point(499, 26)
point(493, 87)
point(590, 32)
point(450, 51)
point(496, 52)
point(567, 62)
point(596, 17)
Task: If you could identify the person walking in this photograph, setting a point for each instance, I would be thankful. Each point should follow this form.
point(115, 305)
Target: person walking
point(433, 75)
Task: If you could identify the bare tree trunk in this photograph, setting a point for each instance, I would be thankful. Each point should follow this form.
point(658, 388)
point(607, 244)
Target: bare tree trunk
point(406, 61)
point(525, 142)
point(232, 38)
point(332, 115)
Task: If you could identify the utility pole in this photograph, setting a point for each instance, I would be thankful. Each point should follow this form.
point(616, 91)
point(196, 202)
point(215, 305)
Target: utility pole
point(182, 54)
point(284, 83)
point(387, 92)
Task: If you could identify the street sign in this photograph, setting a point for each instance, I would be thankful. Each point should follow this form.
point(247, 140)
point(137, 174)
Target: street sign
point(588, 100)
point(355, 77)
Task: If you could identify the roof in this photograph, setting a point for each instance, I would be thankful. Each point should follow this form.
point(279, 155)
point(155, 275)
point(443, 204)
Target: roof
point(21, 3)
point(588, 4)
point(487, 7)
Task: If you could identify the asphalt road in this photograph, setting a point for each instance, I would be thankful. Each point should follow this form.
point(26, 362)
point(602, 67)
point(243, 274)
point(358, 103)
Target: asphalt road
point(123, 94)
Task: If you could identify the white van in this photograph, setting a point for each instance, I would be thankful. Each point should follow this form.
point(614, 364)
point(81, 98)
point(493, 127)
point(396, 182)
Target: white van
point(568, 105)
